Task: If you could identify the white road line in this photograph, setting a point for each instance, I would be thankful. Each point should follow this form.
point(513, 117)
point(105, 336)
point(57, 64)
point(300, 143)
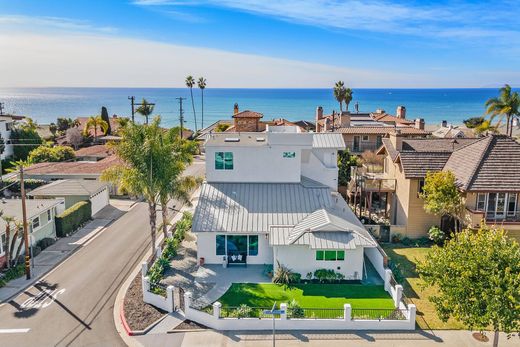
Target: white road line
point(14, 331)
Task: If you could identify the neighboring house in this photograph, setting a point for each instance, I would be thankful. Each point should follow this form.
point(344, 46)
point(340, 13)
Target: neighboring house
point(452, 131)
point(486, 170)
point(93, 153)
point(73, 191)
point(40, 218)
point(6, 125)
point(271, 198)
point(365, 131)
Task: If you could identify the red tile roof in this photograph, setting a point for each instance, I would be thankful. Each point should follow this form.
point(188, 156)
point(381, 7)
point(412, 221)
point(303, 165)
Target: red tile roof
point(248, 114)
point(73, 167)
point(381, 130)
point(94, 151)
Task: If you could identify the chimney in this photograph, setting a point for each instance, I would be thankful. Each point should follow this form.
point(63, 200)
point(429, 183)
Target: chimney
point(401, 112)
point(419, 123)
point(344, 120)
point(444, 124)
point(318, 116)
point(328, 126)
point(396, 139)
point(235, 108)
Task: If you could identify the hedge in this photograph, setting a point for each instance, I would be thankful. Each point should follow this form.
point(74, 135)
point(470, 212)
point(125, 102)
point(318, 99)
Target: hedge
point(72, 218)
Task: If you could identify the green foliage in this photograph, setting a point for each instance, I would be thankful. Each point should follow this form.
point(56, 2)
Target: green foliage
point(29, 184)
point(220, 128)
point(342, 94)
point(51, 154)
point(325, 275)
point(104, 116)
point(45, 242)
point(437, 235)
point(72, 218)
point(26, 139)
point(283, 275)
point(473, 122)
point(268, 270)
point(242, 311)
point(170, 248)
point(441, 195)
point(506, 105)
point(309, 276)
point(477, 276)
point(183, 226)
point(155, 273)
point(345, 162)
point(64, 124)
point(11, 274)
point(294, 310)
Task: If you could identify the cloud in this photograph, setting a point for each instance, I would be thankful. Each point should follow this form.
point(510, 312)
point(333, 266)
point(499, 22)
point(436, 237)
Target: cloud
point(58, 23)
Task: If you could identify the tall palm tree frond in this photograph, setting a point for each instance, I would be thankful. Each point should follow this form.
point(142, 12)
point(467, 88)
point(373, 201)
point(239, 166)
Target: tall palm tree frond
point(190, 82)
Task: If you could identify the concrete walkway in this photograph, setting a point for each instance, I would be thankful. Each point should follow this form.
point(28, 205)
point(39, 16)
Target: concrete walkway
point(64, 247)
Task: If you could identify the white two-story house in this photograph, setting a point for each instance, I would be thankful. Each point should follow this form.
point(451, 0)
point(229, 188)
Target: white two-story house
point(272, 198)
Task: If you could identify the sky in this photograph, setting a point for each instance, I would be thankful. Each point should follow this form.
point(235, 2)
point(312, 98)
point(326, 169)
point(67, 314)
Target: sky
point(260, 43)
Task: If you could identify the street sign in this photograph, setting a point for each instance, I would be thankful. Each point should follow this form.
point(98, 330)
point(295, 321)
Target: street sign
point(274, 311)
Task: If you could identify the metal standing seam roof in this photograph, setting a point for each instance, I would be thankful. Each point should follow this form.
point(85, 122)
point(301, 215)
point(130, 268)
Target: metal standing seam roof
point(328, 140)
point(254, 207)
point(69, 188)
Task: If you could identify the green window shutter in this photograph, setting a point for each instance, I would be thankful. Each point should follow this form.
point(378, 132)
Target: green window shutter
point(341, 255)
point(319, 255)
point(330, 255)
point(219, 160)
point(228, 160)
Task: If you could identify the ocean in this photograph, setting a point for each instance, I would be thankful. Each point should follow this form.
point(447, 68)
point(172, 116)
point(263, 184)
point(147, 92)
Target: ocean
point(44, 105)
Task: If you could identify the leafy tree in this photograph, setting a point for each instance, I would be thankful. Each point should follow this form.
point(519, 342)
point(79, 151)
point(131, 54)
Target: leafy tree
point(222, 127)
point(477, 277)
point(345, 162)
point(104, 116)
point(51, 154)
point(145, 110)
point(473, 122)
point(506, 105)
point(190, 82)
point(25, 138)
point(64, 123)
point(147, 154)
point(74, 137)
point(202, 85)
point(442, 197)
point(95, 123)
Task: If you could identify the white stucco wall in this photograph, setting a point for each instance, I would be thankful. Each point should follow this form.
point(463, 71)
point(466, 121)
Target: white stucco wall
point(6, 134)
point(206, 247)
point(321, 165)
point(302, 259)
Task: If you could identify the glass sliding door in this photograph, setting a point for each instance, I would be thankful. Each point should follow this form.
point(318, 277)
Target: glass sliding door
point(236, 248)
point(501, 206)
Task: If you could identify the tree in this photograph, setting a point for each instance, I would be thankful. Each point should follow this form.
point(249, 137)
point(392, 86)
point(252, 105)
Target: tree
point(147, 156)
point(7, 248)
point(345, 162)
point(2, 145)
point(220, 128)
point(506, 105)
point(51, 154)
point(145, 110)
point(442, 197)
point(95, 123)
point(25, 138)
point(64, 123)
point(53, 129)
point(477, 277)
point(339, 93)
point(347, 97)
point(202, 85)
point(74, 137)
point(190, 82)
point(473, 122)
point(104, 116)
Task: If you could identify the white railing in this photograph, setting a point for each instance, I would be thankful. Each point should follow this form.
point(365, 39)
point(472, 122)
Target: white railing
point(164, 302)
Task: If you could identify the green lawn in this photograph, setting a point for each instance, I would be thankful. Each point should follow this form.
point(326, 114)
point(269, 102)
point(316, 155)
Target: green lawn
point(407, 258)
point(308, 295)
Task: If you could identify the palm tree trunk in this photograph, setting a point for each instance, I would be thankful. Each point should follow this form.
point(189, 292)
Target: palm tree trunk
point(18, 250)
point(164, 212)
point(495, 339)
point(508, 117)
point(193, 107)
point(7, 248)
point(341, 106)
point(13, 243)
point(153, 228)
point(202, 125)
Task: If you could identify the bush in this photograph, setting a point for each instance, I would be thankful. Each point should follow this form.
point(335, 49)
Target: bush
point(328, 275)
point(437, 235)
point(30, 184)
point(72, 218)
point(243, 311)
point(170, 248)
point(11, 274)
point(183, 226)
point(50, 154)
point(294, 310)
point(296, 277)
point(45, 242)
point(309, 276)
point(396, 238)
point(283, 275)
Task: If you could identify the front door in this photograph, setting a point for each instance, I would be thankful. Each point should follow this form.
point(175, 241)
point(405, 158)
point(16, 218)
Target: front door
point(237, 249)
point(356, 144)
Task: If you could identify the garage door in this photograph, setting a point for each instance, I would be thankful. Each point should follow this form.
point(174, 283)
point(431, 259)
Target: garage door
point(99, 201)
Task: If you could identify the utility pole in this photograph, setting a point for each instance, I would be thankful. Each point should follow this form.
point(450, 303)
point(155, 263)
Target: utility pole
point(25, 231)
point(1, 108)
point(132, 100)
point(181, 114)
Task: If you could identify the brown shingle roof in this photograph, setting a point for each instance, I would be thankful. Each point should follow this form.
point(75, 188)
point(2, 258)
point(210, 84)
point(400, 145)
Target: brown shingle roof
point(435, 145)
point(248, 114)
point(385, 117)
point(72, 168)
point(417, 164)
point(94, 151)
point(381, 130)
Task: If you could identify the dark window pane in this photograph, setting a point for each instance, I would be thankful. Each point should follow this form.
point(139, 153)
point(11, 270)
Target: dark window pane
point(228, 160)
point(221, 244)
point(253, 244)
point(219, 161)
point(330, 255)
point(319, 255)
point(341, 255)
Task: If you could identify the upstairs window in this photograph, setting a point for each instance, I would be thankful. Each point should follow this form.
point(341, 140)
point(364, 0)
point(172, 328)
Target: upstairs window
point(330, 255)
point(223, 160)
point(481, 202)
point(289, 154)
point(365, 138)
point(36, 223)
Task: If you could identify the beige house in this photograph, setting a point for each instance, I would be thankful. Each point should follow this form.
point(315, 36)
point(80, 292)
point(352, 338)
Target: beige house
point(486, 170)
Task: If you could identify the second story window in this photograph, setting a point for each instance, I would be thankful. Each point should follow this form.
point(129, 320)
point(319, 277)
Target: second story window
point(289, 154)
point(36, 223)
point(223, 160)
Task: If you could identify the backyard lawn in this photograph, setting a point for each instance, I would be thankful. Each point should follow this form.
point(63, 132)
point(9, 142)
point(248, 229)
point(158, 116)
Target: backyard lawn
point(308, 295)
point(406, 258)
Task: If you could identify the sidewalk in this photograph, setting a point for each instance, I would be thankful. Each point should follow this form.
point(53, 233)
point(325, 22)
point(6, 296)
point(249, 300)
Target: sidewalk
point(64, 247)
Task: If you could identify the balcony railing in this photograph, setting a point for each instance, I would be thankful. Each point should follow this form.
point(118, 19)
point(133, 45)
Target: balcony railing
point(364, 146)
point(493, 218)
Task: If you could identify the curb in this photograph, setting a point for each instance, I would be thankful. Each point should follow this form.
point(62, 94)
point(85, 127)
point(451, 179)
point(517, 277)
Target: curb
point(123, 321)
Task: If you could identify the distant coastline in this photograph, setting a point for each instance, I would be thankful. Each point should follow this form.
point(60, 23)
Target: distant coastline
point(44, 105)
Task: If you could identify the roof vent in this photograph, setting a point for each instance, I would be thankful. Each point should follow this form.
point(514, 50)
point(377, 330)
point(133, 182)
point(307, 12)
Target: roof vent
point(231, 139)
point(260, 139)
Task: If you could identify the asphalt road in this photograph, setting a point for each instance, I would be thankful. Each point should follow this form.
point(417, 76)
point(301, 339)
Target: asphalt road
point(72, 305)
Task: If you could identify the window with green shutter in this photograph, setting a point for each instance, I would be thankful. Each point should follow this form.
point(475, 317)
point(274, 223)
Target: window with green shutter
point(319, 255)
point(329, 255)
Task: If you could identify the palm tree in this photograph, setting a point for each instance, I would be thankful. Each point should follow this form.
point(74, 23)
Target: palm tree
point(202, 85)
point(339, 93)
point(145, 109)
point(190, 82)
point(507, 104)
point(347, 97)
point(95, 122)
point(8, 220)
point(148, 156)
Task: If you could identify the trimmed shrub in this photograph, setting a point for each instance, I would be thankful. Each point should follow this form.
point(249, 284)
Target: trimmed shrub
point(294, 310)
point(283, 275)
point(72, 218)
point(242, 311)
point(12, 274)
point(45, 242)
point(437, 235)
